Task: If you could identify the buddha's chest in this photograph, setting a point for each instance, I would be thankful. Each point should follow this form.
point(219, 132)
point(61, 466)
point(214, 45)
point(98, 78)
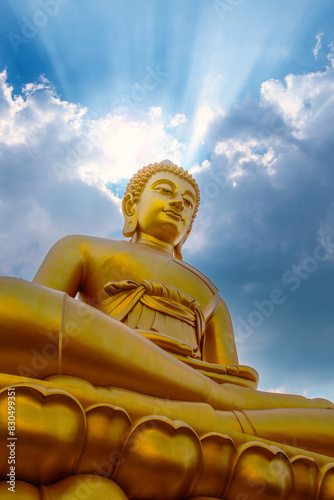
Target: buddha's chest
point(136, 264)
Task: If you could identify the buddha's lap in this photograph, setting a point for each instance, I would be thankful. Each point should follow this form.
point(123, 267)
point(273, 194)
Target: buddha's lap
point(49, 320)
point(115, 353)
point(40, 310)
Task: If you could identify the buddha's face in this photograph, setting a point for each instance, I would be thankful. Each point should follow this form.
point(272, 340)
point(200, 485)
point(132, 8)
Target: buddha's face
point(166, 207)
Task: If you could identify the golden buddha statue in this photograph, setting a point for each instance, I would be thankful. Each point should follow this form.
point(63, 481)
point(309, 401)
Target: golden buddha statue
point(123, 364)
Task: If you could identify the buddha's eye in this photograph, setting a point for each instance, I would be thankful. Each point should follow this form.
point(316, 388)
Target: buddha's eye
point(188, 203)
point(164, 190)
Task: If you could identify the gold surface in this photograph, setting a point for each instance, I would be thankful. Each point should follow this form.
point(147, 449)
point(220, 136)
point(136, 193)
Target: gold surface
point(124, 364)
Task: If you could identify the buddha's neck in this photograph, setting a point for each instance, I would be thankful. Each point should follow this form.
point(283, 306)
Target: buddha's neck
point(152, 242)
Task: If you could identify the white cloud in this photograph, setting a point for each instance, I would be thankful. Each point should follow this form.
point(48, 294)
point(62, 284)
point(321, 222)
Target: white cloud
point(204, 116)
point(302, 100)
point(277, 390)
point(26, 119)
point(155, 112)
point(318, 45)
point(199, 168)
point(239, 153)
point(177, 120)
point(98, 151)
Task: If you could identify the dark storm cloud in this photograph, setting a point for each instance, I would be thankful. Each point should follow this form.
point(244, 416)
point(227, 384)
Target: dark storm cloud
point(270, 242)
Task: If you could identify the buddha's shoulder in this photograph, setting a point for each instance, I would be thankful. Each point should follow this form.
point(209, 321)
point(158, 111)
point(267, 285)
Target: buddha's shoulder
point(197, 273)
point(90, 244)
point(105, 251)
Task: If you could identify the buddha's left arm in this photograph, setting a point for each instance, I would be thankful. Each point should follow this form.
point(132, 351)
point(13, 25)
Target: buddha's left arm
point(219, 345)
point(63, 267)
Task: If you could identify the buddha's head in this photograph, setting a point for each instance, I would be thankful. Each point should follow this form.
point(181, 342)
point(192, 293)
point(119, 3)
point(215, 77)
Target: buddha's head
point(161, 202)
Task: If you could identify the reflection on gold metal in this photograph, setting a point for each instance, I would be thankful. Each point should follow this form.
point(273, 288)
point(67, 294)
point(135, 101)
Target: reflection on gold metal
point(135, 390)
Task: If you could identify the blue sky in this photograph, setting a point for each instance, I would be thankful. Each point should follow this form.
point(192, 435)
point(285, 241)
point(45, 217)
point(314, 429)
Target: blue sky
point(239, 92)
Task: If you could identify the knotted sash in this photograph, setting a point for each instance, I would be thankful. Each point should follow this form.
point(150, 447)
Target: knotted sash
point(161, 297)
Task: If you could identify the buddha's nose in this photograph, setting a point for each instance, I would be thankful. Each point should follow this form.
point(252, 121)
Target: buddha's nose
point(177, 204)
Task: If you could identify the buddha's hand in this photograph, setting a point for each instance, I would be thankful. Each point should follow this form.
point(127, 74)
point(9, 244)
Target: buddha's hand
point(243, 371)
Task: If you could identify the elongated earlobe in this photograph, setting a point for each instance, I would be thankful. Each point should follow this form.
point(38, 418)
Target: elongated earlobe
point(130, 216)
point(177, 251)
point(178, 247)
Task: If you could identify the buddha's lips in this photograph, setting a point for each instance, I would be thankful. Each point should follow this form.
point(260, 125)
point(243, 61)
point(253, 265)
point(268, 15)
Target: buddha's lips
point(175, 214)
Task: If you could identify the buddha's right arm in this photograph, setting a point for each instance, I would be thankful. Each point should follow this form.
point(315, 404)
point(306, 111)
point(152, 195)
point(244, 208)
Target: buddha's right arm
point(219, 344)
point(63, 267)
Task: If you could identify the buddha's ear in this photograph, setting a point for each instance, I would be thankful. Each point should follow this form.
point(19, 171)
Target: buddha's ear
point(178, 248)
point(130, 216)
